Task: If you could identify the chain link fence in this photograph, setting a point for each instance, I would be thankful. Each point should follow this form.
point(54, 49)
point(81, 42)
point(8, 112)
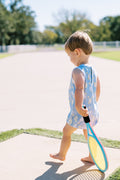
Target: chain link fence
point(106, 45)
point(18, 48)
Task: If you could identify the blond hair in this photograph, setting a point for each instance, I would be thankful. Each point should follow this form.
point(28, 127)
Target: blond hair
point(81, 40)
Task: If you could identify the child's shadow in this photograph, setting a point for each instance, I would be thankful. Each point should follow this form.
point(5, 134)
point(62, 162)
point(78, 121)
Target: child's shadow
point(80, 173)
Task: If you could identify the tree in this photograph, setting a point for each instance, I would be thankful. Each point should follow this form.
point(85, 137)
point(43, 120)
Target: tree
point(35, 37)
point(104, 29)
point(5, 26)
point(110, 26)
point(73, 21)
point(69, 22)
point(49, 37)
point(17, 24)
point(22, 22)
point(115, 28)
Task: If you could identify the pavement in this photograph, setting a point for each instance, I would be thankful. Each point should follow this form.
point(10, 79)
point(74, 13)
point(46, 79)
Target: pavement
point(26, 157)
point(34, 93)
point(32, 84)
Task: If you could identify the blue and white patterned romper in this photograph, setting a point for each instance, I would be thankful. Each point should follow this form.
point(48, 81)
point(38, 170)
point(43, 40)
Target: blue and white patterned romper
point(74, 119)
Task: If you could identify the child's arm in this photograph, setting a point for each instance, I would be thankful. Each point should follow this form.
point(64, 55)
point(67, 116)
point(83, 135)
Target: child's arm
point(98, 89)
point(78, 78)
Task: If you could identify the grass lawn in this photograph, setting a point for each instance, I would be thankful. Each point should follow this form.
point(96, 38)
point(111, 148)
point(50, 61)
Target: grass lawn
point(3, 55)
point(113, 55)
point(115, 175)
point(9, 134)
point(55, 134)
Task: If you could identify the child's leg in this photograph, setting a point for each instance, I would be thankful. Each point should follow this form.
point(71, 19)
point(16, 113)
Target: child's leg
point(65, 143)
point(89, 158)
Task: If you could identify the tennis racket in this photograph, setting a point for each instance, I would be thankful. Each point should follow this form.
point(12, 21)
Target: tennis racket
point(95, 147)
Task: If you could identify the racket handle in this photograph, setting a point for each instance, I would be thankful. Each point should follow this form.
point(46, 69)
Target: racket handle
point(86, 119)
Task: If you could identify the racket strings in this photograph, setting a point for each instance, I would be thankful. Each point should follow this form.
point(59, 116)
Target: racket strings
point(89, 174)
point(97, 153)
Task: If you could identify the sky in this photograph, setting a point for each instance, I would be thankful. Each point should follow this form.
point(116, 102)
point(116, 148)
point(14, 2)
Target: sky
point(46, 10)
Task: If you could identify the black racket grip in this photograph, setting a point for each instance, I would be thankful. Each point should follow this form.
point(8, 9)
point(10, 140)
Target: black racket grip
point(86, 119)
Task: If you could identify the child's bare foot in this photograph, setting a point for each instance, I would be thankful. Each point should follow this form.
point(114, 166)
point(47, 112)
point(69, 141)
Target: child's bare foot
point(57, 156)
point(88, 159)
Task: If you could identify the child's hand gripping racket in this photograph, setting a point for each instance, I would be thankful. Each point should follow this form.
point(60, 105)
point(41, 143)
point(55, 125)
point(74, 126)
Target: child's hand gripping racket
point(95, 147)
